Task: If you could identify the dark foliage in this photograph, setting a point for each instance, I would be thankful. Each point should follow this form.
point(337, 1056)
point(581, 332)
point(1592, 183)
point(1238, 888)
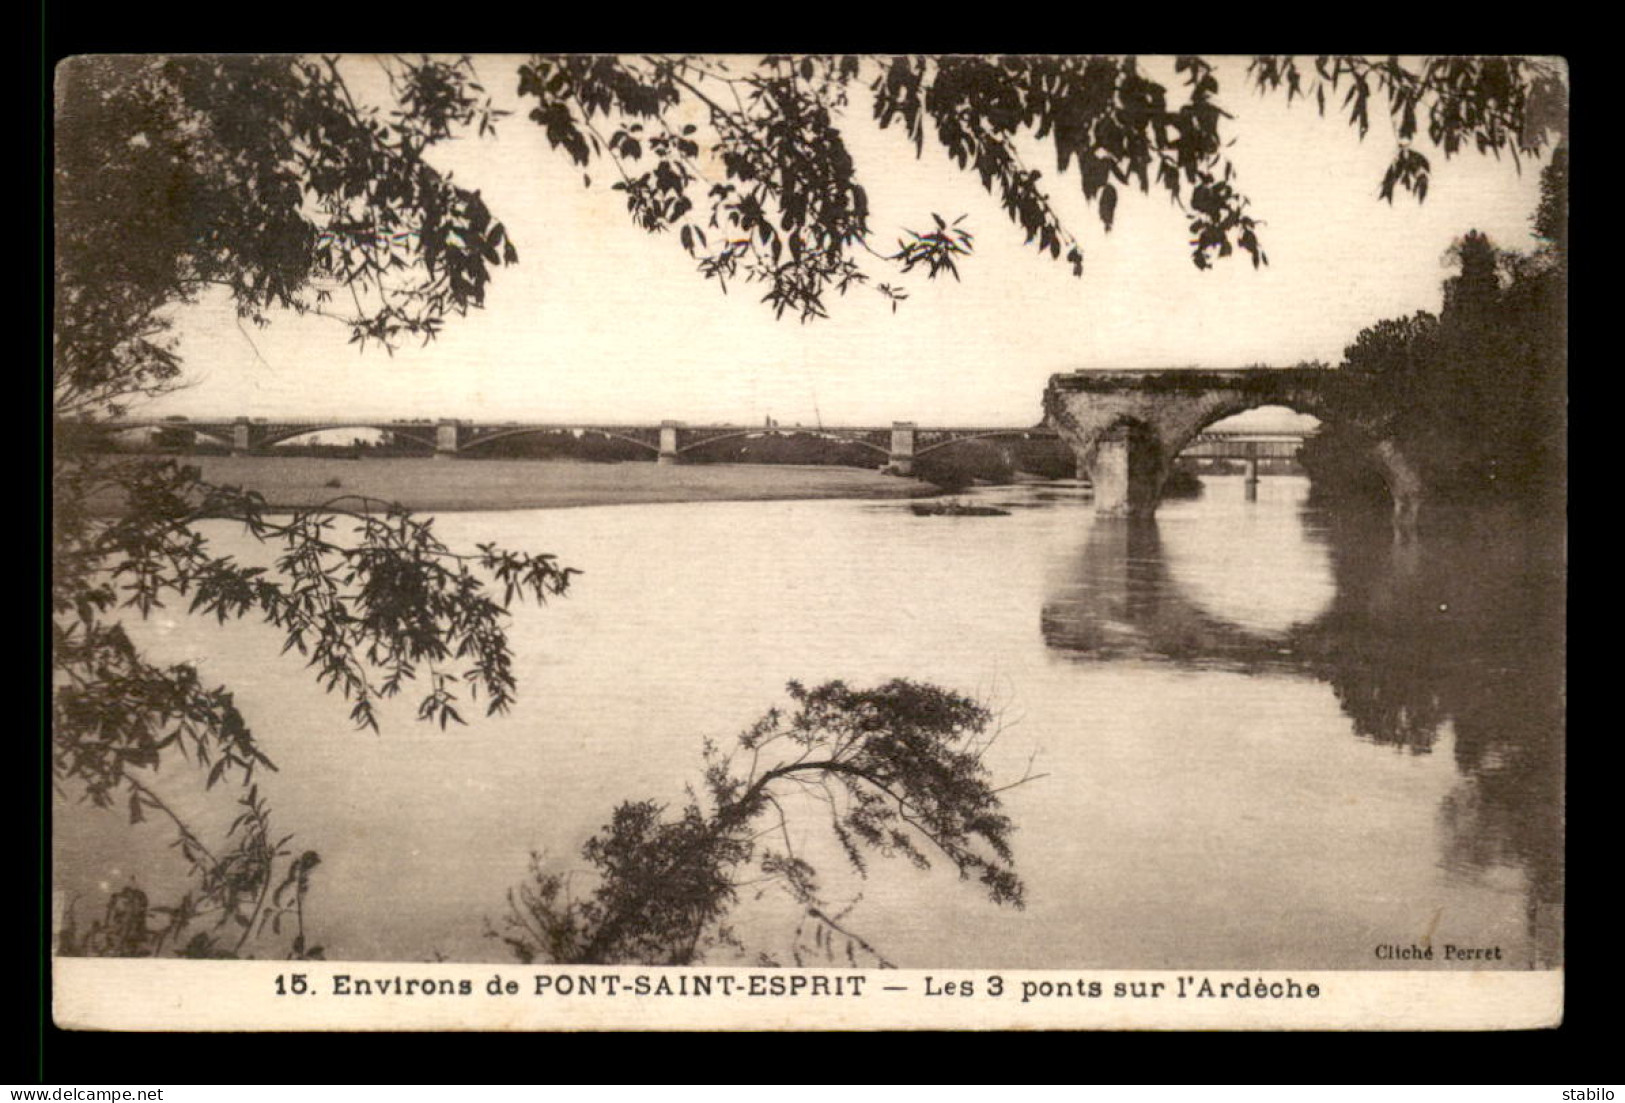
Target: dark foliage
point(1476, 396)
point(1182, 484)
point(262, 176)
point(1048, 459)
point(1342, 471)
point(365, 593)
point(788, 212)
point(959, 465)
point(587, 447)
point(786, 447)
point(237, 894)
point(898, 767)
point(1487, 104)
point(259, 174)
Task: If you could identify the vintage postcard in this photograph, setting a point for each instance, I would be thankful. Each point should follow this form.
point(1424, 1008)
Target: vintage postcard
point(563, 542)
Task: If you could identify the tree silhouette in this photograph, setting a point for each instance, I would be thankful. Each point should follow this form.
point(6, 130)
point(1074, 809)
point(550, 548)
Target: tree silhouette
point(266, 177)
point(899, 769)
point(1476, 394)
point(766, 191)
point(262, 176)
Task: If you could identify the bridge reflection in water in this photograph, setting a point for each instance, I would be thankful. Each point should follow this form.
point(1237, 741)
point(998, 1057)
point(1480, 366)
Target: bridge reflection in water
point(1455, 642)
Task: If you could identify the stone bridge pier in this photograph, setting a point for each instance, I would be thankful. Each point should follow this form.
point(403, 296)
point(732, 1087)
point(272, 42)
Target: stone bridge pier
point(668, 443)
point(1127, 425)
point(446, 438)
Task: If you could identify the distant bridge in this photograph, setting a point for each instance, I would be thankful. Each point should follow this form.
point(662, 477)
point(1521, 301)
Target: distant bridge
point(897, 445)
point(1125, 427)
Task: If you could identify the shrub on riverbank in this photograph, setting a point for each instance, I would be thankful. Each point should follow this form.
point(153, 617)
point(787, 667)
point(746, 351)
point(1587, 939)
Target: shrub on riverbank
point(901, 768)
point(562, 445)
point(1475, 397)
point(960, 465)
point(786, 448)
point(1182, 484)
point(1048, 459)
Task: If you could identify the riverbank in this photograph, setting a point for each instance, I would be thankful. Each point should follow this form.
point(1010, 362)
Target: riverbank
point(291, 482)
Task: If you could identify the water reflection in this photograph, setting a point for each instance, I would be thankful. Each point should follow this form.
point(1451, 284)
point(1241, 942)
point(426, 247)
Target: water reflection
point(1457, 638)
point(1268, 741)
point(1121, 598)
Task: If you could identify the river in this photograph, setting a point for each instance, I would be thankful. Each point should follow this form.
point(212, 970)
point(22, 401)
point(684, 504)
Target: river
point(1259, 737)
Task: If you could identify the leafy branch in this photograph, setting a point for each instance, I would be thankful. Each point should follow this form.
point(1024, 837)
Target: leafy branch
point(366, 592)
point(1488, 103)
point(233, 902)
point(899, 769)
point(265, 177)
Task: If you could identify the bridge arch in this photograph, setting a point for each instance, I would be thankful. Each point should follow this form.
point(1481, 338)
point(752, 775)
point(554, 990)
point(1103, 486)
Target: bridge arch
point(554, 430)
point(1126, 426)
point(990, 434)
point(205, 432)
point(1179, 436)
point(210, 434)
point(783, 431)
point(273, 435)
point(1398, 471)
point(155, 426)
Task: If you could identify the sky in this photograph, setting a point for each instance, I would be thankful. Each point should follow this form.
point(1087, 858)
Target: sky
point(603, 322)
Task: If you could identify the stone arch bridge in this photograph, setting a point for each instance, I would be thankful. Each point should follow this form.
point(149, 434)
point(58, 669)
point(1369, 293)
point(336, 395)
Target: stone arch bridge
point(1127, 425)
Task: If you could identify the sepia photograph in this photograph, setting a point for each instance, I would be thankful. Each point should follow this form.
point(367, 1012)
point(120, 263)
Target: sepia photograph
point(575, 541)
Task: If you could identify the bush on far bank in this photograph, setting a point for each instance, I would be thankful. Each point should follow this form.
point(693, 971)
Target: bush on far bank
point(786, 447)
point(960, 465)
point(561, 445)
point(1182, 483)
point(1045, 458)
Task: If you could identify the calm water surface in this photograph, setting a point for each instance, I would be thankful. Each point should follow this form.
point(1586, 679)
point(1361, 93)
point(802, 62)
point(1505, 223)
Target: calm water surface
point(1263, 740)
